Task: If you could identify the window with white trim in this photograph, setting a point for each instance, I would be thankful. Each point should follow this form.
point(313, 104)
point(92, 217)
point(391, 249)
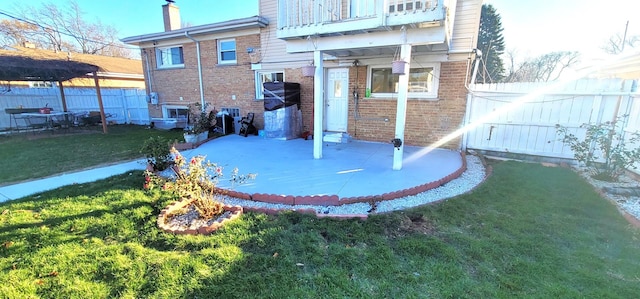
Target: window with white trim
point(227, 51)
point(423, 81)
point(176, 111)
point(266, 76)
point(170, 57)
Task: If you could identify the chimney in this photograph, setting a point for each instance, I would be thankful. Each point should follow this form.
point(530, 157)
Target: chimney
point(171, 16)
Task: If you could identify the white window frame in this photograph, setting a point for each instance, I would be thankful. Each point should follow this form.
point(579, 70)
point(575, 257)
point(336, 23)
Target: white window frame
point(220, 51)
point(166, 108)
point(41, 84)
point(170, 64)
point(260, 82)
point(432, 94)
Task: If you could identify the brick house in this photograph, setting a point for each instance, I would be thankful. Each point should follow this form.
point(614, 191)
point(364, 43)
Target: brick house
point(354, 92)
point(206, 64)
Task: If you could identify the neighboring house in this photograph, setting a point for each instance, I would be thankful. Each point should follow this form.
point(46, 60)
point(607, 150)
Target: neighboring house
point(114, 72)
point(352, 43)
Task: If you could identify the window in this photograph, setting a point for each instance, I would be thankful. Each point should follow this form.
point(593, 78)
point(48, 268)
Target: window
point(266, 76)
point(422, 82)
point(169, 57)
point(179, 112)
point(227, 51)
point(40, 84)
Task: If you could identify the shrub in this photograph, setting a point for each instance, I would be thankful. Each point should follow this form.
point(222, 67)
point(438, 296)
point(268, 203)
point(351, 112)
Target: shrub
point(197, 180)
point(156, 150)
point(608, 140)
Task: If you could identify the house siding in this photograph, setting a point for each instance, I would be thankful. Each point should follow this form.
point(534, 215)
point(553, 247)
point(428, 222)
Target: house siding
point(274, 50)
point(465, 25)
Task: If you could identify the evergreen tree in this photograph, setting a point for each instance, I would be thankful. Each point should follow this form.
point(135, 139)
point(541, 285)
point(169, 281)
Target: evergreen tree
point(491, 43)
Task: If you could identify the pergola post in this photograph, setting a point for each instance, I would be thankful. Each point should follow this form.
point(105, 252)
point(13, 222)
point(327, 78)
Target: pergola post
point(62, 97)
point(102, 117)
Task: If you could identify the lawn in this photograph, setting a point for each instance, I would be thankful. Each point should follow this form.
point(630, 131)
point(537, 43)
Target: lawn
point(28, 156)
point(529, 231)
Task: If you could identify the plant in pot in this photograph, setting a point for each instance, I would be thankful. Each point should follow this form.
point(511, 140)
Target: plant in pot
point(199, 123)
point(200, 207)
point(156, 150)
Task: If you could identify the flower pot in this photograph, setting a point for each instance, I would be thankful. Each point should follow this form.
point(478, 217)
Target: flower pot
point(203, 136)
point(309, 70)
point(191, 138)
point(397, 67)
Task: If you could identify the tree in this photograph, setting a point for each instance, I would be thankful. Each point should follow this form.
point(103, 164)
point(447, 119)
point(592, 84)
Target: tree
point(62, 29)
point(544, 68)
point(491, 43)
point(615, 44)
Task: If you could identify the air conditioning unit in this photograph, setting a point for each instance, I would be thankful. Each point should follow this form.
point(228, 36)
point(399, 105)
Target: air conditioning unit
point(153, 98)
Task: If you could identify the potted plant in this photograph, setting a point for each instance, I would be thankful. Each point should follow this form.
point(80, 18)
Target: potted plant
point(156, 150)
point(200, 123)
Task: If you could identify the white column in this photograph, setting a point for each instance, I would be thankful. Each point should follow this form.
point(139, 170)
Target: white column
point(318, 105)
point(401, 110)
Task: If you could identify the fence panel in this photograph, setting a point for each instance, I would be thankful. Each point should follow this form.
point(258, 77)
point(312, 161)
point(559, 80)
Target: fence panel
point(521, 117)
point(123, 105)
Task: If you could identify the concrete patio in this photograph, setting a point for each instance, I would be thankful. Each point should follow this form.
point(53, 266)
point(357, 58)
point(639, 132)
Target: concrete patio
point(354, 169)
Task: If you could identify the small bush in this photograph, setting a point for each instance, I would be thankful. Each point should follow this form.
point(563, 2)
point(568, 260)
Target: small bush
point(605, 139)
point(156, 150)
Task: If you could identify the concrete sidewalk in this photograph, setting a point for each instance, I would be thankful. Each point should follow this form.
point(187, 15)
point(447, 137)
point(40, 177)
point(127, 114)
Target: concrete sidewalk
point(23, 189)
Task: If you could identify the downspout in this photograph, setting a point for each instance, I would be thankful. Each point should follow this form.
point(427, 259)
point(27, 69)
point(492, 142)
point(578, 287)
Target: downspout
point(199, 68)
point(467, 116)
point(146, 58)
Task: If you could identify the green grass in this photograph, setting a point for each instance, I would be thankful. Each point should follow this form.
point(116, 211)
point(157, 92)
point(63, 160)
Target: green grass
point(529, 231)
point(29, 156)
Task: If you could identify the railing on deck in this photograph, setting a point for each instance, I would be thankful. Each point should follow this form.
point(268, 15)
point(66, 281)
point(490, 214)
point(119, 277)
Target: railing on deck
point(300, 13)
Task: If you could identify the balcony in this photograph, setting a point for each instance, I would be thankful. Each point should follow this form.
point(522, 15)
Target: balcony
point(302, 18)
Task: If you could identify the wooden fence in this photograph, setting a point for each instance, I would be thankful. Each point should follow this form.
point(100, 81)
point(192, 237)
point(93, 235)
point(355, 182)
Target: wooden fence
point(521, 118)
point(125, 106)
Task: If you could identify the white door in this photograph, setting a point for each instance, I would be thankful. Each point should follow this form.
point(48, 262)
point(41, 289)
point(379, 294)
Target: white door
point(337, 104)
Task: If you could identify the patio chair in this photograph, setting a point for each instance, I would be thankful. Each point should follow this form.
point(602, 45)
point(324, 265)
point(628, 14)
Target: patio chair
point(246, 125)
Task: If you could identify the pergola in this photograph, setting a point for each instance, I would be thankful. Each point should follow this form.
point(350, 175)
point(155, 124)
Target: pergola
point(15, 66)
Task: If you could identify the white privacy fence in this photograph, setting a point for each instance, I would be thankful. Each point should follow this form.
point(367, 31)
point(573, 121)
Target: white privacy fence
point(521, 118)
point(125, 106)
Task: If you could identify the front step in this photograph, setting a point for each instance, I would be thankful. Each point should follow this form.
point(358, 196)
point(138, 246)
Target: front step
point(336, 137)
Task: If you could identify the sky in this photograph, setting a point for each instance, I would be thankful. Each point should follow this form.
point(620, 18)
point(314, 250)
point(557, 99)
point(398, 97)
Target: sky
point(531, 28)
point(137, 17)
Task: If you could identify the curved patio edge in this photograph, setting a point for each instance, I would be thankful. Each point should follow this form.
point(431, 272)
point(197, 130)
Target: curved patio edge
point(334, 200)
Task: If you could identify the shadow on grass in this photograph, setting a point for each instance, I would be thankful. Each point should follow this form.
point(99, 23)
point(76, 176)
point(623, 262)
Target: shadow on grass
point(528, 231)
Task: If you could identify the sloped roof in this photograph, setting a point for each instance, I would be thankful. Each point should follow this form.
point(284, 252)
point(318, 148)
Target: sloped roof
point(26, 64)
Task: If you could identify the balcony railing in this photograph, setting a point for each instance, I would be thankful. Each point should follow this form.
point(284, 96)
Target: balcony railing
point(298, 18)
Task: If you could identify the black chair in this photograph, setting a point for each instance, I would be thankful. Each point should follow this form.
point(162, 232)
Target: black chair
point(246, 125)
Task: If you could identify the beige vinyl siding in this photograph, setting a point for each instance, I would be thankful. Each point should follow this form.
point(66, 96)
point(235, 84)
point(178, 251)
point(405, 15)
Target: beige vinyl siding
point(465, 28)
point(274, 50)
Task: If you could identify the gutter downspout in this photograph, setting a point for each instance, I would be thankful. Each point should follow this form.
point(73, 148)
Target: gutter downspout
point(186, 33)
point(146, 59)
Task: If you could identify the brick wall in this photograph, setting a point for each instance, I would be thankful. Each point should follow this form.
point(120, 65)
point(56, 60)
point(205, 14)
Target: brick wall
point(427, 120)
point(220, 82)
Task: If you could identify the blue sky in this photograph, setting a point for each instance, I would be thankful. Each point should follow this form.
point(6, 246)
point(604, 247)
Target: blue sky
point(537, 27)
point(530, 27)
point(136, 17)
